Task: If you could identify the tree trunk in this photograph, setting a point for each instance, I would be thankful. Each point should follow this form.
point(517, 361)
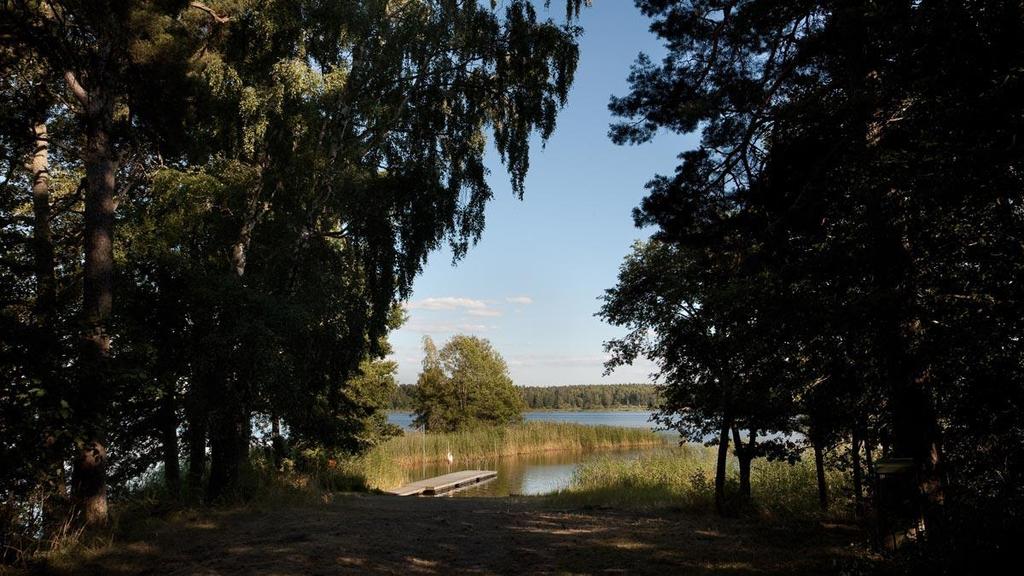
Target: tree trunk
point(89, 484)
point(869, 461)
point(858, 491)
point(223, 468)
point(819, 467)
point(197, 432)
point(42, 236)
point(230, 425)
point(55, 505)
point(238, 254)
point(277, 443)
point(917, 436)
point(915, 430)
point(89, 480)
point(723, 453)
point(745, 455)
point(229, 449)
point(169, 438)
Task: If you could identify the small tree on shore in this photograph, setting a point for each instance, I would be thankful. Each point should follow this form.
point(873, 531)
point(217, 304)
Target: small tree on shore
point(464, 385)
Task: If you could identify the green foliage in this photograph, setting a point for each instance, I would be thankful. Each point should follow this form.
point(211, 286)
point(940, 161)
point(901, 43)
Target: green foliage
point(351, 417)
point(465, 385)
point(283, 171)
point(711, 334)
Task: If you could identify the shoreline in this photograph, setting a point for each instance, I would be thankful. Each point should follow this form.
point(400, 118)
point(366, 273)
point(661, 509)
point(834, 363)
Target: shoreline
point(627, 409)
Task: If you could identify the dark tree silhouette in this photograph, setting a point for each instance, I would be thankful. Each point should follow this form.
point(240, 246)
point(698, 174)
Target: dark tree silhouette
point(858, 182)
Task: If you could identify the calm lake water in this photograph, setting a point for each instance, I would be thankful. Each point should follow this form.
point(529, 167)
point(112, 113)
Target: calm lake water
point(529, 474)
point(532, 474)
point(627, 419)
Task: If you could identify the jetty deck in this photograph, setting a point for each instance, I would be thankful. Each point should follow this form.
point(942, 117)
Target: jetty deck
point(444, 483)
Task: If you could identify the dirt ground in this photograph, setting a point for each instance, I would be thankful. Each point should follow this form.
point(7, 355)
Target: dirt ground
point(366, 534)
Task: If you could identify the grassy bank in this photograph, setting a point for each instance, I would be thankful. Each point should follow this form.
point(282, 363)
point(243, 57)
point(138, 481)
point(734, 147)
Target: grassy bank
point(684, 477)
point(388, 465)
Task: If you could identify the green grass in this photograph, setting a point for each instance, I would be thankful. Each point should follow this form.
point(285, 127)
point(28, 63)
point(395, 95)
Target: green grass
point(388, 464)
point(684, 478)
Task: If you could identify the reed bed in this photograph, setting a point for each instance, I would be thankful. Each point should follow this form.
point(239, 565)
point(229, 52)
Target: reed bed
point(496, 442)
point(387, 465)
point(684, 478)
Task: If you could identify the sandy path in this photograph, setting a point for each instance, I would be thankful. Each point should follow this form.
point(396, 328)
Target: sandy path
point(367, 534)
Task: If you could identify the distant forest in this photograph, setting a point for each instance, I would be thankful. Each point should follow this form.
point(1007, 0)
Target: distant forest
point(581, 397)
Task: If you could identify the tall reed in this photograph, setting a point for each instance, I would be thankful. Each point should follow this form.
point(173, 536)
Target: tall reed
point(386, 465)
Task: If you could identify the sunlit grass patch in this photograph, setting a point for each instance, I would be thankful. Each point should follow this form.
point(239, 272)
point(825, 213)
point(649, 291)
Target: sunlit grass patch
point(684, 478)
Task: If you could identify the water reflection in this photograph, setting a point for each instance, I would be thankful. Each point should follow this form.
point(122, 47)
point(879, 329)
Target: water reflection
point(528, 474)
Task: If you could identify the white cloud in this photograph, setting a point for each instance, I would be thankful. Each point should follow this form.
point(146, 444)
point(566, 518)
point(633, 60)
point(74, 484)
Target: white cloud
point(519, 300)
point(470, 306)
point(447, 303)
point(445, 327)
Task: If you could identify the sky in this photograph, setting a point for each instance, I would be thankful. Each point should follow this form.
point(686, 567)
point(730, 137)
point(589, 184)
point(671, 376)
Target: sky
point(531, 286)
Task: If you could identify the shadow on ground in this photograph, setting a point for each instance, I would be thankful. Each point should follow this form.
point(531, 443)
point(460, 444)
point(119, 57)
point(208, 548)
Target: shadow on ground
point(390, 535)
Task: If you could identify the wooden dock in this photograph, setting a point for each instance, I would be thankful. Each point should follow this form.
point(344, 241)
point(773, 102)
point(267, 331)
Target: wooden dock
point(445, 483)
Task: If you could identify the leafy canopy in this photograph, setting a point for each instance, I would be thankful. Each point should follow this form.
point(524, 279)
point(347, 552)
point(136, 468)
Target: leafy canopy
point(464, 385)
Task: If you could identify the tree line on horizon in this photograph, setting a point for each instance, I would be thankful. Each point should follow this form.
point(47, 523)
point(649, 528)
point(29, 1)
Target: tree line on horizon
point(566, 397)
point(842, 254)
point(211, 211)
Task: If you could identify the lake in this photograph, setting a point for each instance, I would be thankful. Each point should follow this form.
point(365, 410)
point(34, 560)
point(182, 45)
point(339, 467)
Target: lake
point(533, 474)
point(615, 418)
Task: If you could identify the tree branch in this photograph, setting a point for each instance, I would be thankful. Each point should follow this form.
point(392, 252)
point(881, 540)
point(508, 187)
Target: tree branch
point(80, 94)
point(213, 13)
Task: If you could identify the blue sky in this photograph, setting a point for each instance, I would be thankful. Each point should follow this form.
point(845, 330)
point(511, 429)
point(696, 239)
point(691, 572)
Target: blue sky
point(531, 285)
